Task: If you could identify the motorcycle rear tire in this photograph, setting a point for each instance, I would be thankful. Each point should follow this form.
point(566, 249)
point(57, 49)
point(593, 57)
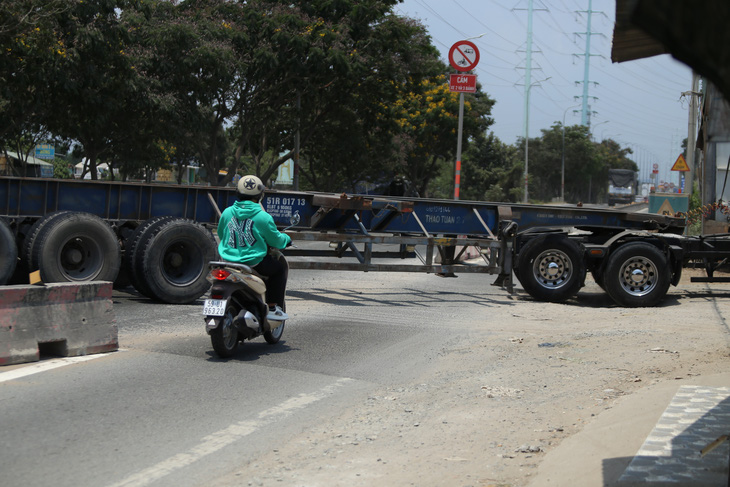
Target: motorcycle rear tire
point(224, 337)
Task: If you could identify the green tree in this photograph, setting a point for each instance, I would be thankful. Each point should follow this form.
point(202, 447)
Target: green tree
point(611, 155)
point(29, 49)
point(230, 85)
point(190, 69)
point(94, 83)
point(357, 114)
point(491, 171)
point(427, 116)
point(584, 170)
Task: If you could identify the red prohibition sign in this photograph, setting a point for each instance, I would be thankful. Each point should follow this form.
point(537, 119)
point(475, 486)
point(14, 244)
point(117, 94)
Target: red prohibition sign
point(463, 56)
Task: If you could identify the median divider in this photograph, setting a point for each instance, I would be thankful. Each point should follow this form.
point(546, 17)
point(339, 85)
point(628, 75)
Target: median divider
point(62, 319)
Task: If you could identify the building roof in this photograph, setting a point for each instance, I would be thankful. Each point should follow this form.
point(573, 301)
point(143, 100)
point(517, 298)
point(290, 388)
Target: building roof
point(693, 32)
point(31, 160)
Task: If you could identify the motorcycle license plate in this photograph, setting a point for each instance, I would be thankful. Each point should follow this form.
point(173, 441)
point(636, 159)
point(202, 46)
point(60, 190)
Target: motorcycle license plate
point(214, 307)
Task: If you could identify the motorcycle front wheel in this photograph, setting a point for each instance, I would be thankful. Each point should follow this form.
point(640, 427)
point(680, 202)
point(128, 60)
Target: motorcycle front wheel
point(224, 337)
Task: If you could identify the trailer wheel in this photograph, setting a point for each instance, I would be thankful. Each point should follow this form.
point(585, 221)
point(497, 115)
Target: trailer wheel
point(124, 232)
point(637, 274)
point(134, 247)
point(550, 268)
point(175, 261)
point(8, 252)
point(76, 247)
point(32, 234)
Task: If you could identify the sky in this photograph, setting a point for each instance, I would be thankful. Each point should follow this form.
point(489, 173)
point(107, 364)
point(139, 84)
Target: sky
point(639, 104)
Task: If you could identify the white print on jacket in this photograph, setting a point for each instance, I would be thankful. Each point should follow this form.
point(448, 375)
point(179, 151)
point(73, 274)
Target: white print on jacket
point(240, 233)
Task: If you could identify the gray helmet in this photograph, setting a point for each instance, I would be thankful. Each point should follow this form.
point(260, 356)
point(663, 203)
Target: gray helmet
point(250, 185)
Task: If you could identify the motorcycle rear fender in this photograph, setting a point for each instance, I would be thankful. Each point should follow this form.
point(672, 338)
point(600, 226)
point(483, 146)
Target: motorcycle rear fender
point(211, 323)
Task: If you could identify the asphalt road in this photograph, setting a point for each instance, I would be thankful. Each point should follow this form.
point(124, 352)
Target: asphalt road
point(165, 411)
point(444, 378)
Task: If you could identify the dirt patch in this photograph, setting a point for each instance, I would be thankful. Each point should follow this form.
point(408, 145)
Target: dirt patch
point(526, 378)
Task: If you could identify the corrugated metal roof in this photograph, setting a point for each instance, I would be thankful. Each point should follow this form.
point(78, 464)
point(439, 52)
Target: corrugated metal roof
point(694, 32)
point(629, 41)
point(31, 159)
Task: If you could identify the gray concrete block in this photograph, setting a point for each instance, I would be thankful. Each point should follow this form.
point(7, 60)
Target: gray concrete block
point(66, 319)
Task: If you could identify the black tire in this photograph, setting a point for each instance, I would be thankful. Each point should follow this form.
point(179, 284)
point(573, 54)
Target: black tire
point(134, 247)
point(30, 237)
point(550, 268)
point(175, 261)
point(224, 337)
point(637, 274)
point(74, 247)
point(8, 252)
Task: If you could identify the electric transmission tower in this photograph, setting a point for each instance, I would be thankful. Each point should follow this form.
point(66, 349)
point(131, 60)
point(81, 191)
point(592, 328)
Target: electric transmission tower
point(528, 85)
point(586, 109)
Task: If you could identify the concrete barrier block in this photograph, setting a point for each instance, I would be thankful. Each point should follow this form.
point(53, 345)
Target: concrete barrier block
point(65, 319)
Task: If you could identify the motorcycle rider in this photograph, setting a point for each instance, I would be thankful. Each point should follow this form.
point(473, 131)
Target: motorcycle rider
point(246, 232)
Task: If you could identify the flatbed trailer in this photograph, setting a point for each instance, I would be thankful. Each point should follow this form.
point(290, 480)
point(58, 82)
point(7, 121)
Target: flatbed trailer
point(159, 238)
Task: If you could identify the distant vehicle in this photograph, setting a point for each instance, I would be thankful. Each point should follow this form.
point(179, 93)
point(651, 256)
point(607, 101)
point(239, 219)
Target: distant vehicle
point(622, 186)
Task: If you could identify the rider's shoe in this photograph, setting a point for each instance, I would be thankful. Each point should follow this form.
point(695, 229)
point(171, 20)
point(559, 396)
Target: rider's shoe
point(276, 314)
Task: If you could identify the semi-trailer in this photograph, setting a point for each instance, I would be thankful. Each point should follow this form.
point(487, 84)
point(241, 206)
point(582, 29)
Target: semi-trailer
point(159, 238)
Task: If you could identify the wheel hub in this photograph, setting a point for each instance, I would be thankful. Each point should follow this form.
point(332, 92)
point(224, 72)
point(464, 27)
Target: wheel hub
point(638, 276)
point(174, 259)
point(80, 258)
point(74, 256)
point(552, 268)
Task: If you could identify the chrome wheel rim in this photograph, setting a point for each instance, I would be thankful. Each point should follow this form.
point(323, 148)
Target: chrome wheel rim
point(638, 276)
point(552, 269)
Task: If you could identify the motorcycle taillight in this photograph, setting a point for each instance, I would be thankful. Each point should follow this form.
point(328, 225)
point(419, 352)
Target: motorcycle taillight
point(219, 274)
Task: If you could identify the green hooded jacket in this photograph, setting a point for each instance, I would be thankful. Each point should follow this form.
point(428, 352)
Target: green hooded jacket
point(246, 232)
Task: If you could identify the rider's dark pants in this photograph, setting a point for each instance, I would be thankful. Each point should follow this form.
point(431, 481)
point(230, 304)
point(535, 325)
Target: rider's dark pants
point(277, 274)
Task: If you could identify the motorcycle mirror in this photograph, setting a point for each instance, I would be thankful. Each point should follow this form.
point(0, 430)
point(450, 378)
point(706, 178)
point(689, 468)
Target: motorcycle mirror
point(294, 218)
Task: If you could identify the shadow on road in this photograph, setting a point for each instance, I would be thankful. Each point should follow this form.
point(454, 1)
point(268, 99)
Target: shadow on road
point(402, 298)
point(250, 351)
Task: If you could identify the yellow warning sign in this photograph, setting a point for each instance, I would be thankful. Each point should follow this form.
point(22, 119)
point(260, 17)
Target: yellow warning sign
point(680, 164)
point(666, 209)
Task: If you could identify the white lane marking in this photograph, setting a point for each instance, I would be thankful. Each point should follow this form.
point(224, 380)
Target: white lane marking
point(47, 365)
point(220, 439)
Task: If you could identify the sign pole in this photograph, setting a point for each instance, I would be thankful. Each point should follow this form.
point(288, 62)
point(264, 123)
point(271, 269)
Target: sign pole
point(457, 172)
point(681, 166)
point(463, 56)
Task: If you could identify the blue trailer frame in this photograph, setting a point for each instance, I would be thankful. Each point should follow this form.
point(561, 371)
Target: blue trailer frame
point(122, 201)
point(436, 231)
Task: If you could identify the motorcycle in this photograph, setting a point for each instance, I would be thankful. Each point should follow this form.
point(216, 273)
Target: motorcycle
point(237, 310)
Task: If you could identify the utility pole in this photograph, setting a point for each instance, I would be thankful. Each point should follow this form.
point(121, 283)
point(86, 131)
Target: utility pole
point(692, 131)
point(528, 69)
point(297, 136)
